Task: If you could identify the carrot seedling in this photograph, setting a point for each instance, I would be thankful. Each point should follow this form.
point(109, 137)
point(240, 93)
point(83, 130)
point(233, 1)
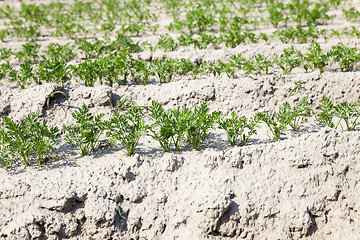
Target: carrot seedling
point(86, 132)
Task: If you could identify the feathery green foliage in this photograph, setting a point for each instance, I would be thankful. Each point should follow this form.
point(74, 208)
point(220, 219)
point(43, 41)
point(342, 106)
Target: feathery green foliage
point(30, 138)
point(238, 129)
point(85, 133)
point(127, 128)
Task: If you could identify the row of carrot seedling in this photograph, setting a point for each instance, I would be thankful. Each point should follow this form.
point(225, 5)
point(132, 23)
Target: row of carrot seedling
point(98, 48)
point(122, 68)
point(236, 35)
point(136, 18)
point(34, 141)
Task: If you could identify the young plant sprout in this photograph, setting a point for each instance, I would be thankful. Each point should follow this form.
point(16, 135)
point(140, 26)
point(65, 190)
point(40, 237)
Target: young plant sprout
point(27, 139)
point(238, 129)
point(127, 128)
point(85, 133)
